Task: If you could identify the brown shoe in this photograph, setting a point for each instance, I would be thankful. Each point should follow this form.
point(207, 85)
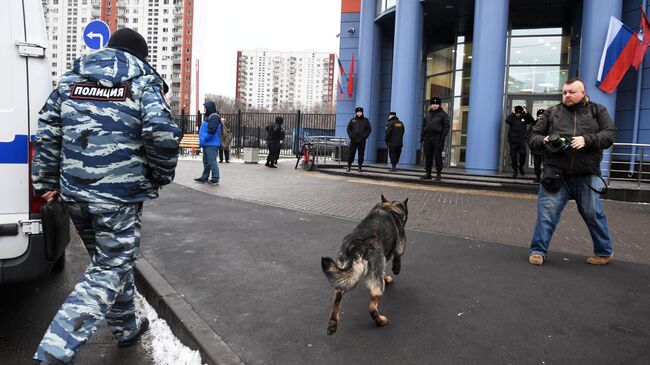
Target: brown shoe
point(600, 260)
point(536, 259)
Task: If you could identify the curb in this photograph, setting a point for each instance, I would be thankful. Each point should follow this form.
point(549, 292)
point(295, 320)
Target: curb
point(183, 321)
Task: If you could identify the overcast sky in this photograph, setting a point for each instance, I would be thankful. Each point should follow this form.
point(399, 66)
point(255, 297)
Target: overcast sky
point(222, 27)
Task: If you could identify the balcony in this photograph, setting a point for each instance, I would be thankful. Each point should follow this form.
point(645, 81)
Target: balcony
point(96, 4)
point(177, 58)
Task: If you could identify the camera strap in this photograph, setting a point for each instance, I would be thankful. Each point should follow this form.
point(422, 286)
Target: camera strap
point(599, 192)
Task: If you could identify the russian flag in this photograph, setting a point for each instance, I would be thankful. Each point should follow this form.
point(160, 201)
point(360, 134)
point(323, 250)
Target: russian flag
point(618, 55)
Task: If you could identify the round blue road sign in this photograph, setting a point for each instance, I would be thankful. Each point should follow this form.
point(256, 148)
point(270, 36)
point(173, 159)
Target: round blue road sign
point(96, 34)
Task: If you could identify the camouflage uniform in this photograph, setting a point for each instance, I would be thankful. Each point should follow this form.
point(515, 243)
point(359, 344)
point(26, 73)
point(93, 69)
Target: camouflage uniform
point(106, 142)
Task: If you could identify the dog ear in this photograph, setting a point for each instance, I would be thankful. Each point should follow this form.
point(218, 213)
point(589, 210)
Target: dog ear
point(405, 203)
point(383, 199)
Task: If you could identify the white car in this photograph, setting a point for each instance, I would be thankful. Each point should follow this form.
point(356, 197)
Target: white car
point(25, 77)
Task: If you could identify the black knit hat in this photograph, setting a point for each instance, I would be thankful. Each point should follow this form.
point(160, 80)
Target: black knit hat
point(540, 112)
point(358, 109)
point(128, 40)
point(519, 109)
point(435, 100)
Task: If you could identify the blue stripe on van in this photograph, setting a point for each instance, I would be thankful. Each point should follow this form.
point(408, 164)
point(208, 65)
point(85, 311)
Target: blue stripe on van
point(15, 152)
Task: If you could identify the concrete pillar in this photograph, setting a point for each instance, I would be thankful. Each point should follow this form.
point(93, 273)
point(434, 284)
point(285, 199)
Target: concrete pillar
point(487, 86)
point(407, 57)
point(365, 87)
point(595, 23)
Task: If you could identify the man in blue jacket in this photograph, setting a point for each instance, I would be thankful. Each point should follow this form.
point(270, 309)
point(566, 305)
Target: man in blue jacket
point(106, 142)
point(210, 141)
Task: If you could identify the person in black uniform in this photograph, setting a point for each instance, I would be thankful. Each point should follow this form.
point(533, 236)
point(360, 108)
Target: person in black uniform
point(358, 130)
point(394, 137)
point(274, 137)
point(519, 123)
point(538, 155)
point(435, 128)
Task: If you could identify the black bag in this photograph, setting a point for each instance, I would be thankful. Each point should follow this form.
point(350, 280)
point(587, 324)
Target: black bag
point(552, 178)
point(56, 227)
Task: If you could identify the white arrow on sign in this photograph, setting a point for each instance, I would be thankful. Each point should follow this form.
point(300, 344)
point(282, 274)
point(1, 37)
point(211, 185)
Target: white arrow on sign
point(92, 35)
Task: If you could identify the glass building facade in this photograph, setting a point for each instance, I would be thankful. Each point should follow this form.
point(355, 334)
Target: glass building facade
point(481, 57)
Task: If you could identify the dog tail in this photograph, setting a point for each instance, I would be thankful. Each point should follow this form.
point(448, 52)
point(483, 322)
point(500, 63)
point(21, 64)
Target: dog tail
point(344, 275)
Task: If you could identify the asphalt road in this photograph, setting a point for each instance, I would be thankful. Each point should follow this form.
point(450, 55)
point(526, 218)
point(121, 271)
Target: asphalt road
point(252, 272)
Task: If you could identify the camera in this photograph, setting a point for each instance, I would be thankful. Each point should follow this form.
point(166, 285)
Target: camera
point(557, 143)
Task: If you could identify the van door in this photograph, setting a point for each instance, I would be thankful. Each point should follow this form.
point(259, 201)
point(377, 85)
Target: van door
point(25, 86)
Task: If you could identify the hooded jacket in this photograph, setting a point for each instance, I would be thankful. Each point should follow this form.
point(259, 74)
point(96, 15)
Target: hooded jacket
point(394, 132)
point(106, 134)
point(359, 129)
point(587, 119)
point(210, 130)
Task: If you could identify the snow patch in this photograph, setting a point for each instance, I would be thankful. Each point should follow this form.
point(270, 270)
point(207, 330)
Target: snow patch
point(165, 348)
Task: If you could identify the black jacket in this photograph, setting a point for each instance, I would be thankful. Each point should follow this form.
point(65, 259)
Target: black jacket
point(530, 131)
point(587, 119)
point(359, 129)
point(274, 133)
point(394, 132)
point(435, 126)
point(518, 127)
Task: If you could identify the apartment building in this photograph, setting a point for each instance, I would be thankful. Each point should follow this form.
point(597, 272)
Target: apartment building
point(276, 80)
point(166, 25)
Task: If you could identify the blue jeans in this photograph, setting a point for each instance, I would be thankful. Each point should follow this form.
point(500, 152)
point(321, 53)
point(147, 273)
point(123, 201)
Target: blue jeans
point(549, 209)
point(210, 163)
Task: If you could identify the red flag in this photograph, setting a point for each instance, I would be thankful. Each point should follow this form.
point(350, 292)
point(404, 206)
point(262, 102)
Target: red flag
point(351, 78)
point(644, 40)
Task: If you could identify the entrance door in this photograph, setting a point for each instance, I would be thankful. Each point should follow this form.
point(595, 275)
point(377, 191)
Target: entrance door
point(532, 103)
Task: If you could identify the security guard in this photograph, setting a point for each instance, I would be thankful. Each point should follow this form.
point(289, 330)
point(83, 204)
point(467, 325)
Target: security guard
point(106, 142)
point(394, 139)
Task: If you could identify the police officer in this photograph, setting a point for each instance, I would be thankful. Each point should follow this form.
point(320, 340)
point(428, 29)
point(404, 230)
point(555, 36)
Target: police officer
point(106, 142)
point(394, 139)
point(274, 137)
point(538, 154)
point(358, 130)
point(519, 122)
point(435, 128)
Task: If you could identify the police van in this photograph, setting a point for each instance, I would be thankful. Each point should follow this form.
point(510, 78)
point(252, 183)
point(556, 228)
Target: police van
point(25, 85)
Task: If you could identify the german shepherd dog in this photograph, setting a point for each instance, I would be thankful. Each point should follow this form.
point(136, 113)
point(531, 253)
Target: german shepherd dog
point(378, 238)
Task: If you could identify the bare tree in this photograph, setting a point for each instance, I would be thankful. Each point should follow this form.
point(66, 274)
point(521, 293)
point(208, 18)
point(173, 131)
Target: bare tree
point(323, 108)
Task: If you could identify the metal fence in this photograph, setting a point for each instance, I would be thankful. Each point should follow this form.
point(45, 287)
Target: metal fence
point(630, 162)
point(249, 129)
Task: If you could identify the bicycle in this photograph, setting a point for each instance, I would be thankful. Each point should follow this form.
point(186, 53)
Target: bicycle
point(306, 156)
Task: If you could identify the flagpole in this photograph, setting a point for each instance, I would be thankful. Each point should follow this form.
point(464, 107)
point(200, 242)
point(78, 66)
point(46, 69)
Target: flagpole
point(637, 105)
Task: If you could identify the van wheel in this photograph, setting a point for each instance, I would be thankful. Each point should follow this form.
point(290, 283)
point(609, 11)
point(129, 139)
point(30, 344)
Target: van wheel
point(60, 263)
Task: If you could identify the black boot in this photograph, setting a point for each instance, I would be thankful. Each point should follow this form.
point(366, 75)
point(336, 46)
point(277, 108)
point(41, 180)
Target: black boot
point(537, 179)
point(522, 172)
point(514, 174)
point(427, 176)
point(438, 176)
point(347, 169)
point(144, 326)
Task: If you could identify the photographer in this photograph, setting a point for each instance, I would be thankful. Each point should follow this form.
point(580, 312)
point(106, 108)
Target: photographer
point(574, 135)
